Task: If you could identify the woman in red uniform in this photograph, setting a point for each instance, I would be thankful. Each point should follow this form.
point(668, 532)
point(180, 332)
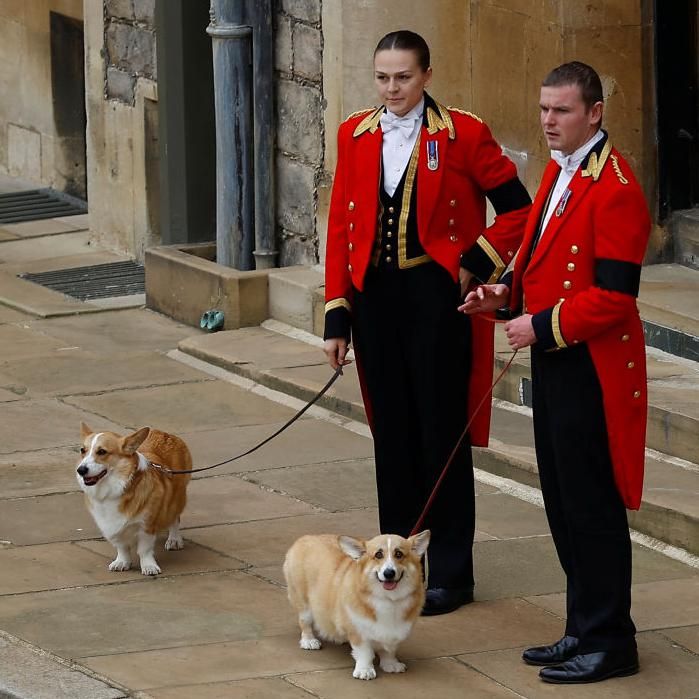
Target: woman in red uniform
point(406, 235)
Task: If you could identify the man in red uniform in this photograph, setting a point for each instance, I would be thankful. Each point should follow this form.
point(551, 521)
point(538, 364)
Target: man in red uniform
point(573, 291)
point(406, 231)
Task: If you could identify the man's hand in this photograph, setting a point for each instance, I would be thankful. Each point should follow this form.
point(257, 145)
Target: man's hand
point(520, 332)
point(465, 278)
point(336, 349)
point(486, 299)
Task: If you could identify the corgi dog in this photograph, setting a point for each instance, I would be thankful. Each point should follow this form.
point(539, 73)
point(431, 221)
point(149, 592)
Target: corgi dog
point(130, 499)
point(369, 593)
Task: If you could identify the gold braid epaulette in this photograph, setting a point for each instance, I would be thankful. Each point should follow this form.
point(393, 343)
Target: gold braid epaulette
point(463, 111)
point(360, 111)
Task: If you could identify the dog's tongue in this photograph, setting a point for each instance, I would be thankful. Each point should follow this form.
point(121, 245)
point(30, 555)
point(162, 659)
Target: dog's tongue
point(390, 585)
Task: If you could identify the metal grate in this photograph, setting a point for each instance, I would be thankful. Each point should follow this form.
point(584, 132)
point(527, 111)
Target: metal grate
point(95, 282)
point(36, 204)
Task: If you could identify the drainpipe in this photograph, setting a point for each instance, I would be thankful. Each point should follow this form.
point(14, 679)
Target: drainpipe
point(232, 40)
point(263, 72)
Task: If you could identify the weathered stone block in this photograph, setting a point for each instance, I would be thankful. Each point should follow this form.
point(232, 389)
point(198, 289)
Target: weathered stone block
point(124, 9)
point(300, 120)
point(24, 153)
point(297, 250)
point(131, 48)
point(295, 189)
point(144, 11)
point(308, 56)
point(120, 85)
point(306, 10)
point(283, 56)
point(291, 295)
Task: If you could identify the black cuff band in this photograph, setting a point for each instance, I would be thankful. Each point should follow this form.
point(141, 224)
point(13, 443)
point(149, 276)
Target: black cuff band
point(338, 323)
point(509, 196)
point(543, 329)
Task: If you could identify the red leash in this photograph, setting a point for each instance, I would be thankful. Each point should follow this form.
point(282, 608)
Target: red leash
point(418, 526)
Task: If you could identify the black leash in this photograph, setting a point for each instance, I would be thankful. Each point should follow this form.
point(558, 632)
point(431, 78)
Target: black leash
point(315, 399)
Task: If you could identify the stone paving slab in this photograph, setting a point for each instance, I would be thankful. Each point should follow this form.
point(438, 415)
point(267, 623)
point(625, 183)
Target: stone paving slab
point(687, 637)
point(307, 441)
point(10, 392)
point(152, 613)
point(269, 656)
point(272, 688)
point(76, 371)
point(660, 604)
point(10, 315)
point(108, 333)
point(41, 472)
point(47, 226)
point(22, 342)
point(29, 672)
point(6, 235)
point(666, 671)
point(453, 679)
point(60, 424)
point(62, 244)
point(184, 407)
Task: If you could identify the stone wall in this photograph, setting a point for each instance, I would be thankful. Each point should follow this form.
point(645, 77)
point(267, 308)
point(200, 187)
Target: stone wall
point(301, 132)
point(33, 146)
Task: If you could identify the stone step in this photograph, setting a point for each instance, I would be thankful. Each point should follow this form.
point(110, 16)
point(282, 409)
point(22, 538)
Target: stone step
point(292, 362)
point(668, 305)
point(685, 234)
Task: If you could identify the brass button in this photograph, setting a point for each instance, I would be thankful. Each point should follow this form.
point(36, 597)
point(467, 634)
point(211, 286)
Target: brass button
point(349, 267)
point(630, 365)
point(351, 226)
point(571, 266)
point(574, 249)
point(389, 234)
point(388, 247)
point(510, 253)
point(390, 221)
point(452, 203)
point(389, 259)
point(625, 338)
point(351, 206)
point(636, 394)
point(453, 238)
point(575, 342)
point(351, 247)
point(561, 300)
point(451, 221)
point(567, 284)
point(390, 209)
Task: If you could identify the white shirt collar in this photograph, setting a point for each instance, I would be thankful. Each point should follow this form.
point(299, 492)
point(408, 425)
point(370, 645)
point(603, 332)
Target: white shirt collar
point(414, 113)
point(570, 163)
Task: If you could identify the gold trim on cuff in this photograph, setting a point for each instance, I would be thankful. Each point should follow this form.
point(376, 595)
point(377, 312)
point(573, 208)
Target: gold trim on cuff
point(492, 253)
point(338, 303)
point(556, 326)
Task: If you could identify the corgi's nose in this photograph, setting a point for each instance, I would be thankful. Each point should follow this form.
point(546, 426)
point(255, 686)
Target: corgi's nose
point(389, 573)
point(82, 470)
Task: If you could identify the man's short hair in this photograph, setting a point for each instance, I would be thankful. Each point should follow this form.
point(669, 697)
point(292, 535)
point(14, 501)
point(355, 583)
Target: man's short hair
point(580, 74)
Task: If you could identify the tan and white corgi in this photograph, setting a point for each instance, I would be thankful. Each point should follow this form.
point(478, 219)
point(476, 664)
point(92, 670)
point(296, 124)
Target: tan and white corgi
point(130, 500)
point(369, 593)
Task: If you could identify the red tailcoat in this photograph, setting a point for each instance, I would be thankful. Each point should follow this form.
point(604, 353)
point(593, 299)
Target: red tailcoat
point(451, 210)
point(581, 284)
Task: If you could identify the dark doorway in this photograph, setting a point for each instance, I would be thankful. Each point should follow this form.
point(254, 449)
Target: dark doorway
point(677, 66)
point(68, 92)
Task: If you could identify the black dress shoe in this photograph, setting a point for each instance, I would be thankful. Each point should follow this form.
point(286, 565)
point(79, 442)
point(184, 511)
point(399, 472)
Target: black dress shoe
point(593, 667)
point(442, 600)
point(556, 653)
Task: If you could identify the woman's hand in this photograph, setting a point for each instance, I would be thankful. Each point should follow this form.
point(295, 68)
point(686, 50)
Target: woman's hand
point(336, 349)
point(486, 299)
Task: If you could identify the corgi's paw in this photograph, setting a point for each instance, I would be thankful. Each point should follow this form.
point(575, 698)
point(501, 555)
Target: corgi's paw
point(392, 665)
point(120, 564)
point(150, 568)
point(364, 673)
point(310, 643)
point(174, 543)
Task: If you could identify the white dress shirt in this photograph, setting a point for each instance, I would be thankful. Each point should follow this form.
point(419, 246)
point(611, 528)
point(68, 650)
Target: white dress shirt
point(568, 164)
point(398, 142)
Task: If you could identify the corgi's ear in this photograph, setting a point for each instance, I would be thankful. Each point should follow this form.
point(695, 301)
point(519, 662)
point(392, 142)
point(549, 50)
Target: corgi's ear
point(419, 542)
point(131, 442)
point(354, 548)
point(84, 430)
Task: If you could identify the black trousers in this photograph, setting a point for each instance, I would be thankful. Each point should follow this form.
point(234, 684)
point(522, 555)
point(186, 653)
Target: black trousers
point(413, 348)
point(585, 512)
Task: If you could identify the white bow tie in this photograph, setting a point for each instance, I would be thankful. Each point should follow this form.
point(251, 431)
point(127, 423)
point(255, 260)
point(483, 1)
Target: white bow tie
point(404, 124)
point(567, 163)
